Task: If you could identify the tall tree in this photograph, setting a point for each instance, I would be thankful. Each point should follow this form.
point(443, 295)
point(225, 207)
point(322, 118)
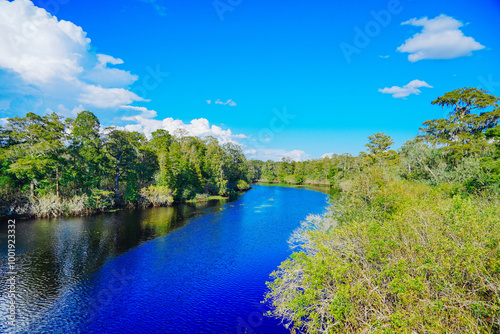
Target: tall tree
point(87, 154)
point(379, 143)
point(35, 150)
point(473, 112)
point(122, 148)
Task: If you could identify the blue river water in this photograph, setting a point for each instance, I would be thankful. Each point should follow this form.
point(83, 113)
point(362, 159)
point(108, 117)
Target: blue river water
point(165, 270)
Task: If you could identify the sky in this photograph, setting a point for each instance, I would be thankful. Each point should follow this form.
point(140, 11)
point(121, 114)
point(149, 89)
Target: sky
point(280, 78)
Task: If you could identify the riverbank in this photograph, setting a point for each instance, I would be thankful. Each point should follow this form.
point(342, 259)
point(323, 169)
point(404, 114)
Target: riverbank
point(326, 189)
point(80, 206)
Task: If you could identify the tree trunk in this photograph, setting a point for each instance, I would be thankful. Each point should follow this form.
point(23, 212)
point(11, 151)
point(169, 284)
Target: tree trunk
point(57, 182)
point(117, 178)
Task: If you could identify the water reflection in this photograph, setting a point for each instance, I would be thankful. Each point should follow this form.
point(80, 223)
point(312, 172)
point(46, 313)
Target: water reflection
point(54, 255)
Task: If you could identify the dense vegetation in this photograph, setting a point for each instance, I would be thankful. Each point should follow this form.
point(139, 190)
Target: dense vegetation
point(51, 166)
point(412, 243)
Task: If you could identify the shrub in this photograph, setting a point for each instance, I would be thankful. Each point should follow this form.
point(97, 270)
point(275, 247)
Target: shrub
point(394, 257)
point(188, 193)
point(201, 197)
point(242, 185)
point(157, 195)
point(47, 206)
point(75, 205)
point(100, 200)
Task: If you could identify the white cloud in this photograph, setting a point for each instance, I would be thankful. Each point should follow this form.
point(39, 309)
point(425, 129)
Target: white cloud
point(441, 38)
point(274, 154)
point(406, 90)
point(384, 57)
point(326, 155)
point(38, 46)
point(54, 59)
point(110, 77)
point(62, 110)
point(229, 102)
point(107, 97)
point(145, 122)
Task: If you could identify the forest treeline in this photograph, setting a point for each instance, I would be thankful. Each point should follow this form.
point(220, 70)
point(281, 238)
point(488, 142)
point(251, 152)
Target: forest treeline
point(411, 244)
point(52, 165)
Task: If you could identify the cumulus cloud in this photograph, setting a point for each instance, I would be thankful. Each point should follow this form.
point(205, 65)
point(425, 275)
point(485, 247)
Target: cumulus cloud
point(145, 122)
point(38, 46)
point(441, 38)
point(326, 155)
point(100, 97)
point(406, 90)
point(274, 154)
point(54, 58)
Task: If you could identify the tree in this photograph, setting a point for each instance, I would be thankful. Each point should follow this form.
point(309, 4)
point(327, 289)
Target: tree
point(35, 149)
point(461, 134)
point(88, 161)
point(122, 148)
point(379, 143)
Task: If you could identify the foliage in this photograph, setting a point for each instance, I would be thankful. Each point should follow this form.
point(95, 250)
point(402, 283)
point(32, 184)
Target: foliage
point(100, 200)
point(201, 197)
point(379, 143)
point(411, 244)
point(158, 195)
point(242, 185)
point(73, 159)
point(462, 133)
point(394, 256)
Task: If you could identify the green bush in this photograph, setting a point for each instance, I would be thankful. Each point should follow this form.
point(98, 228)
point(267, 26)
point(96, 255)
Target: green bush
point(188, 193)
point(157, 195)
point(75, 205)
point(201, 197)
point(100, 200)
point(242, 185)
point(394, 257)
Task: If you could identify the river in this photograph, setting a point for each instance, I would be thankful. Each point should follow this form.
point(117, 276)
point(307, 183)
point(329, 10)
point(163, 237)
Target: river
point(182, 269)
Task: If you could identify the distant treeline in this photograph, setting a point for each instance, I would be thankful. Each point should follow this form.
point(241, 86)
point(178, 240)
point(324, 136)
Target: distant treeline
point(52, 165)
point(460, 150)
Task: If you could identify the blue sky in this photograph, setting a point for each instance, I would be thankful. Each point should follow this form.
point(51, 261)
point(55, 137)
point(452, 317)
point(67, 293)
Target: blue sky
point(283, 78)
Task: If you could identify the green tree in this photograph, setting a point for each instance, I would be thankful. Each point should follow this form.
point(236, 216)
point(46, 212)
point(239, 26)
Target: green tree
point(122, 148)
point(379, 143)
point(88, 159)
point(462, 134)
point(35, 150)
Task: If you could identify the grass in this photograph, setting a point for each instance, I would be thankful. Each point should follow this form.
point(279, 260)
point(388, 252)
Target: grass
point(208, 198)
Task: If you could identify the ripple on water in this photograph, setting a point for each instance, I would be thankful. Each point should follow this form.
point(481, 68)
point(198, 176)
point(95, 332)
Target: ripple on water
point(202, 271)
